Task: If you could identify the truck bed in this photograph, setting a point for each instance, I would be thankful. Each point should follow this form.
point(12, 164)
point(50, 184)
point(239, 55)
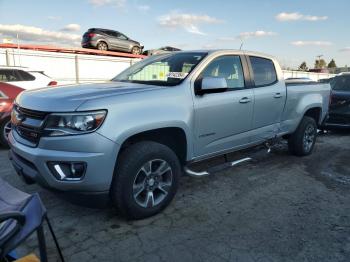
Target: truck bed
point(300, 97)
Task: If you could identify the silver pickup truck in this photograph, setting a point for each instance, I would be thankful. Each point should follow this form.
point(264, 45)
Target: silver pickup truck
point(132, 138)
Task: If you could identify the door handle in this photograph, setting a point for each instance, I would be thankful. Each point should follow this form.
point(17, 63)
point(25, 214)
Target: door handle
point(277, 95)
point(245, 100)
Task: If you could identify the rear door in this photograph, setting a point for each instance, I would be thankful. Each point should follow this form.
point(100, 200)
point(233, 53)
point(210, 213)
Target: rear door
point(270, 96)
point(26, 80)
point(222, 120)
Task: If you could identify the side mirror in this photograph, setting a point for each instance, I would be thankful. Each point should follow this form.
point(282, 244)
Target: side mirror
point(213, 85)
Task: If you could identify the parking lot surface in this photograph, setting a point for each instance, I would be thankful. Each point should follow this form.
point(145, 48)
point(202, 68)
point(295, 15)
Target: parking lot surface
point(279, 208)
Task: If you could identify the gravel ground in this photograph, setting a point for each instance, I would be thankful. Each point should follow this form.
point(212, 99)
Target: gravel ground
point(279, 208)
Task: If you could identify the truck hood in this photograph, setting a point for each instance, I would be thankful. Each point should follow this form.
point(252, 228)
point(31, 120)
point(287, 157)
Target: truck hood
point(69, 98)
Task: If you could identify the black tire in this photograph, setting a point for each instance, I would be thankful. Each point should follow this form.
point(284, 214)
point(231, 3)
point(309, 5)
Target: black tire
point(3, 133)
point(129, 169)
point(102, 46)
point(136, 50)
point(302, 141)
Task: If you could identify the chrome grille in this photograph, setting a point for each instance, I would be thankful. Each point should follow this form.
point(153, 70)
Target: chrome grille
point(28, 123)
point(30, 113)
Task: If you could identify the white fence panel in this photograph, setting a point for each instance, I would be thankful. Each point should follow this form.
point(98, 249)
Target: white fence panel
point(311, 75)
point(69, 68)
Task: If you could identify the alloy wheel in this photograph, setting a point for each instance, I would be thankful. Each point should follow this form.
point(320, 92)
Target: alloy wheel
point(102, 46)
point(152, 183)
point(309, 138)
point(7, 129)
point(136, 50)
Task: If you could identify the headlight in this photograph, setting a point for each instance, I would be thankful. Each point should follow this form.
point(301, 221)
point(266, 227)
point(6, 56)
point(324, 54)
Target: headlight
point(62, 124)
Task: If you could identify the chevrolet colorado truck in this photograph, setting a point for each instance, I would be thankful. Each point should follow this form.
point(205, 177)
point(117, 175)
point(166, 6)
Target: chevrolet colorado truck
point(132, 138)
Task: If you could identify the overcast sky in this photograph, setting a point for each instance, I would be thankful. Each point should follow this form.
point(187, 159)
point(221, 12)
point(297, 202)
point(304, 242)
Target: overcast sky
point(292, 30)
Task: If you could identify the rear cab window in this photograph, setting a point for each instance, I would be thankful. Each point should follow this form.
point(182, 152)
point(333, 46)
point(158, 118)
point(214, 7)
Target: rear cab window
point(264, 71)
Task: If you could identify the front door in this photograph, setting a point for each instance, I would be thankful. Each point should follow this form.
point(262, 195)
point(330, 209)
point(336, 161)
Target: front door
point(223, 119)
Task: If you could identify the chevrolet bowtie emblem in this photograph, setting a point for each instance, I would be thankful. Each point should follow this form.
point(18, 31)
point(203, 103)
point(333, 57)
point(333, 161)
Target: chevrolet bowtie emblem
point(17, 118)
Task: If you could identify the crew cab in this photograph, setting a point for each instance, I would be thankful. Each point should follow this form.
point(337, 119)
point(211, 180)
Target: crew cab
point(132, 138)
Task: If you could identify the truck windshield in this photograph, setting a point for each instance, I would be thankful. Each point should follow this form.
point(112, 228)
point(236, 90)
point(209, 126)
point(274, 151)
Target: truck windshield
point(163, 70)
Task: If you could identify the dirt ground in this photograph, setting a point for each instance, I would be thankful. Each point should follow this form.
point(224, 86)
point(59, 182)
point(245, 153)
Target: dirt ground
point(277, 208)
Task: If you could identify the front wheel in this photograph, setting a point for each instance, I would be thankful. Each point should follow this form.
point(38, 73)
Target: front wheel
point(302, 141)
point(146, 179)
point(5, 129)
point(136, 50)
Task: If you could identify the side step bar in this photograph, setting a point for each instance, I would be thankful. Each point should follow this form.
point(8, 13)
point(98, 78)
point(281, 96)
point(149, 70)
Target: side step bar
point(215, 169)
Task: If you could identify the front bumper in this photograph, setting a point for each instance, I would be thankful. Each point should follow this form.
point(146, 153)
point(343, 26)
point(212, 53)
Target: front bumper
point(98, 152)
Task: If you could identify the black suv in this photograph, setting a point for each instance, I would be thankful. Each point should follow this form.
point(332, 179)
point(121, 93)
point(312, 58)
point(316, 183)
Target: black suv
point(339, 109)
point(105, 39)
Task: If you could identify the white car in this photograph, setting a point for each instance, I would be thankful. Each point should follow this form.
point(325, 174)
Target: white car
point(25, 78)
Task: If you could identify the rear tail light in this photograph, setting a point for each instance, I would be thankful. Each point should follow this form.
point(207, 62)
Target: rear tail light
point(91, 34)
point(52, 83)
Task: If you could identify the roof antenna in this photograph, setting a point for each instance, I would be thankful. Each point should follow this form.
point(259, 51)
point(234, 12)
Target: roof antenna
point(242, 43)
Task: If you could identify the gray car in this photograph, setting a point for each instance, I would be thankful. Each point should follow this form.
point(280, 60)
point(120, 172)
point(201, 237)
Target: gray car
point(131, 139)
point(105, 39)
point(161, 50)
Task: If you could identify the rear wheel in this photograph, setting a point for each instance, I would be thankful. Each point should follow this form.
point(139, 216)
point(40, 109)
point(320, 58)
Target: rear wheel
point(146, 179)
point(302, 141)
point(136, 50)
point(5, 129)
point(102, 46)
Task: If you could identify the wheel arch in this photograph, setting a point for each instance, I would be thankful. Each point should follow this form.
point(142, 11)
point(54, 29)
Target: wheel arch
point(105, 41)
point(173, 137)
point(315, 113)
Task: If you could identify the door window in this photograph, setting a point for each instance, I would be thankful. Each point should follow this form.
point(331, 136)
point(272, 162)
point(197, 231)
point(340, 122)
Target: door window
point(2, 95)
point(228, 67)
point(342, 83)
point(122, 37)
point(25, 76)
point(263, 70)
point(9, 76)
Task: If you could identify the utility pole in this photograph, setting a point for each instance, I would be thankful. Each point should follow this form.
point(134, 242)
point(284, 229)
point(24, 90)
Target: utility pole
point(319, 58)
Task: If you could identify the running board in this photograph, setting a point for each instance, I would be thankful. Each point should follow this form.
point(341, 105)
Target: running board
point(215, 169)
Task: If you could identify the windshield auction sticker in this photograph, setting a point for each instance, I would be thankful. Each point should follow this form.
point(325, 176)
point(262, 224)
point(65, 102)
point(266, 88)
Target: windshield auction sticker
point(179, 75)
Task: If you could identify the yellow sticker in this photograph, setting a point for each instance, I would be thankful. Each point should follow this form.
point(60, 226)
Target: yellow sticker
point(161, 74)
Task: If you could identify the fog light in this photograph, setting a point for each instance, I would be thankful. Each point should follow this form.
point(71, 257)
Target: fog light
point(68, 171)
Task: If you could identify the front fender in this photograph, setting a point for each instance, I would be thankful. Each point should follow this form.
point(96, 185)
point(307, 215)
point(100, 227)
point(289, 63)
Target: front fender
point(123, 136)
point(138, 112)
